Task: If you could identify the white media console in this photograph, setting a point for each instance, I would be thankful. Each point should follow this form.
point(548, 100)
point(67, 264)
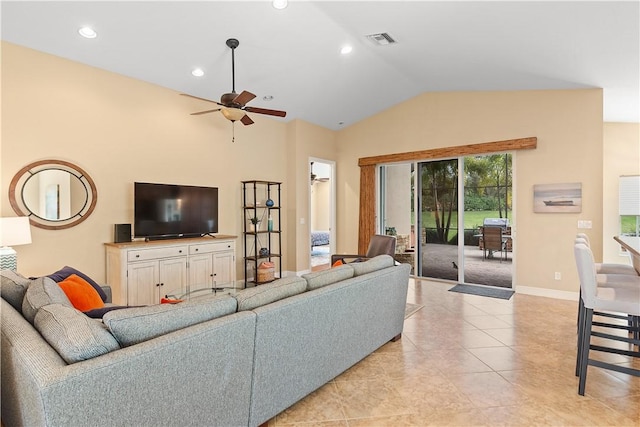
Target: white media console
point(140, 273)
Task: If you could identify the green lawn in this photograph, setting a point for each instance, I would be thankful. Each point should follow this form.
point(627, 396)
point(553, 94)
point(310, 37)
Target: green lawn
point(628, 224)
point(472, 219)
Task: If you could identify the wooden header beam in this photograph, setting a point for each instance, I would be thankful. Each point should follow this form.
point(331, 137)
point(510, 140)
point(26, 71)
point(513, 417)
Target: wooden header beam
point(457, 151)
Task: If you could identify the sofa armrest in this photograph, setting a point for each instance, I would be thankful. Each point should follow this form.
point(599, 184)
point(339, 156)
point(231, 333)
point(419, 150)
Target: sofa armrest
point(107, 290)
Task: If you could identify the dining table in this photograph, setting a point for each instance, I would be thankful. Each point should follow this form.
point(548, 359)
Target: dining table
point(632, 245)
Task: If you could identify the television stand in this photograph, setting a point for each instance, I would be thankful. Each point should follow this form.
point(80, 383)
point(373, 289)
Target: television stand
point(141, 273)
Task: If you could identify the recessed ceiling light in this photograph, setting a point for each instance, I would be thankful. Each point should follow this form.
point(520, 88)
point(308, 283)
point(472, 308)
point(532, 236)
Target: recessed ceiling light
point(280, 4)
point(197, 72)
point(87, 32)
point(267, 98)
point(346, 49)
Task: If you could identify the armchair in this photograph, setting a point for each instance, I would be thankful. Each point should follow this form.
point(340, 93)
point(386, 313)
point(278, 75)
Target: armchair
point(378, 245)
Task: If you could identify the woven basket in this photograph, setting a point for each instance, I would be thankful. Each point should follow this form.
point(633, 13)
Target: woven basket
point(266, 272)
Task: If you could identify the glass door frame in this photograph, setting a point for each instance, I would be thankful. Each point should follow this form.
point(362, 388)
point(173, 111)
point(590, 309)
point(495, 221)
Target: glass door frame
point(417, 202)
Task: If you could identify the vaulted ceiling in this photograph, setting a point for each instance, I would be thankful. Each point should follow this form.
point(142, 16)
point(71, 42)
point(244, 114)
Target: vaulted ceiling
point(293, 55)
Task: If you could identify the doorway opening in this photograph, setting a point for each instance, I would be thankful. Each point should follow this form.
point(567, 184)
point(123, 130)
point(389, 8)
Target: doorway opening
point(321, 212)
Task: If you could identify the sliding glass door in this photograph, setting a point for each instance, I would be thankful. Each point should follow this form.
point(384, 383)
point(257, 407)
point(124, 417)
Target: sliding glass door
point(439, 211)
point(438, 218)
point(488, 220)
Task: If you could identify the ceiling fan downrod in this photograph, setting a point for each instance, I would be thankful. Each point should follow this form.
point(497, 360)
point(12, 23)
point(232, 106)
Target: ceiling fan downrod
point(233, 44)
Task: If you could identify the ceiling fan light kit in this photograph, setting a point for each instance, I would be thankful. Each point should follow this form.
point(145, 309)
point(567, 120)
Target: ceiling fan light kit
point(232, 114)
point(233, 106)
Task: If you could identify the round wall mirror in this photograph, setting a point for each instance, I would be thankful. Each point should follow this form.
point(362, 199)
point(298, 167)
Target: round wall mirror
point(54, 194)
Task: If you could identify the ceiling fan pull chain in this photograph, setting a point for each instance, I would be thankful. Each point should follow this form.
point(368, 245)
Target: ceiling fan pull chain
point(233, 131)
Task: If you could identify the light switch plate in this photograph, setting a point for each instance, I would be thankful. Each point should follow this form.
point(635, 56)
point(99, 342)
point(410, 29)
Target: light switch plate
point(584, 224)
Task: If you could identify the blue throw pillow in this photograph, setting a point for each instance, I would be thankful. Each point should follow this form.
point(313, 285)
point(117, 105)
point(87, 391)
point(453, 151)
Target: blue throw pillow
point(97, 313)
point(67, 271)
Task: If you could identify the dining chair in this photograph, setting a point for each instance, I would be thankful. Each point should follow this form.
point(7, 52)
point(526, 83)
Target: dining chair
point(609, 299)
point(609, 268)
point(612, 281)
point(493, 241)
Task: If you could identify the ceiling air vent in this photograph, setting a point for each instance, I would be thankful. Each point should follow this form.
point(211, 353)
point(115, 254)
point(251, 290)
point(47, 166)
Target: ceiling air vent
point(381, 39)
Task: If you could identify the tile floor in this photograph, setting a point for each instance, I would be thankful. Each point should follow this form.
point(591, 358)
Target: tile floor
point(466, 360)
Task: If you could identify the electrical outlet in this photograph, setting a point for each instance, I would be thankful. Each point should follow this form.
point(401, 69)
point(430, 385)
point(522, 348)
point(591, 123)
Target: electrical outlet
point(558, 275)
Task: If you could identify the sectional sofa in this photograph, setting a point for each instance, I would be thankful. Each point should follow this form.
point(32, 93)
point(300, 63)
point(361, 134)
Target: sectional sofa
point(227, 360)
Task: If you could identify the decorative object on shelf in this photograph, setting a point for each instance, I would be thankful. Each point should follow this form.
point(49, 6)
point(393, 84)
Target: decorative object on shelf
point(266, 272)
point(264, 252)
point(14, 231)
point(255, 223)
point(270, 224)
point(269, 203)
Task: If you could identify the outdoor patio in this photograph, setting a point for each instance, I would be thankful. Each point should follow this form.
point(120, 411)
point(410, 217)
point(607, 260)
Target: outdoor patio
point(438, 262)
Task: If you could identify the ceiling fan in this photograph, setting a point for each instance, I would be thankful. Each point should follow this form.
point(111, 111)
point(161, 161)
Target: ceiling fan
point(232, 105)
point(314, 177)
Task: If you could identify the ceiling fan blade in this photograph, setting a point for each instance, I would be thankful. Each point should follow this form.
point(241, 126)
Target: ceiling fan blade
point(266, 111)
point(205, 112)
point(243, 98)
point(246, 120)
point(201, 99)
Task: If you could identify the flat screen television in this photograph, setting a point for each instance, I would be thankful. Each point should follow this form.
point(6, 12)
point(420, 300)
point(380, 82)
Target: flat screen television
point(163, 211)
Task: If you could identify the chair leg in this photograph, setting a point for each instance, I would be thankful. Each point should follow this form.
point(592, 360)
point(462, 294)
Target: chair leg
point(586, 343)
point(580, 338)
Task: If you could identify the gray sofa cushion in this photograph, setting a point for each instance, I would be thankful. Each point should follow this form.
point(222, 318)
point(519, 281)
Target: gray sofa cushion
point(374, 264)
point(14, 286)
point(248, 299)
point(321, 278)
point(72, 334)
point(42, 291)
point(133, 325)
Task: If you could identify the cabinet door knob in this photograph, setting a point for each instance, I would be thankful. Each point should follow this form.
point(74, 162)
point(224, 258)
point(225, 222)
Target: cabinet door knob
point(161, 284)
point(157, 285)
point(138, 256)
point(197, 249)
point(180, 251)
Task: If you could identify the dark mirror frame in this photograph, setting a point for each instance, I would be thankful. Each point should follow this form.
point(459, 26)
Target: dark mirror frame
point(21, 178)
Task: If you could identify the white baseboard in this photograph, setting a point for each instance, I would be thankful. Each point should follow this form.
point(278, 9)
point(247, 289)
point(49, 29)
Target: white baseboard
point(549, 293)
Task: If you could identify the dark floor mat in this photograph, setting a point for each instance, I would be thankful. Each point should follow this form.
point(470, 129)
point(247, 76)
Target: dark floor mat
point(483, 291)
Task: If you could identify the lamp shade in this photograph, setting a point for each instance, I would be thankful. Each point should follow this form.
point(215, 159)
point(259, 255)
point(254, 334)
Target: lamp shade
point(15, 231)
point(232, 114)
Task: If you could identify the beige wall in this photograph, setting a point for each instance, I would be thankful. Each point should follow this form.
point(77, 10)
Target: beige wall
point(122, 130)
point(561, 120)
point(621, 157)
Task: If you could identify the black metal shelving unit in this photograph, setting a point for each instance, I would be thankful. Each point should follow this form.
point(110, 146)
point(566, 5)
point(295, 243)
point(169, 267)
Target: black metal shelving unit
point(255, 195)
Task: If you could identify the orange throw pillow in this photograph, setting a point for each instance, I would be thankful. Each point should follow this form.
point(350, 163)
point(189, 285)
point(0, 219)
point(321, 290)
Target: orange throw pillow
point(81, 294)
point(337, 263)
